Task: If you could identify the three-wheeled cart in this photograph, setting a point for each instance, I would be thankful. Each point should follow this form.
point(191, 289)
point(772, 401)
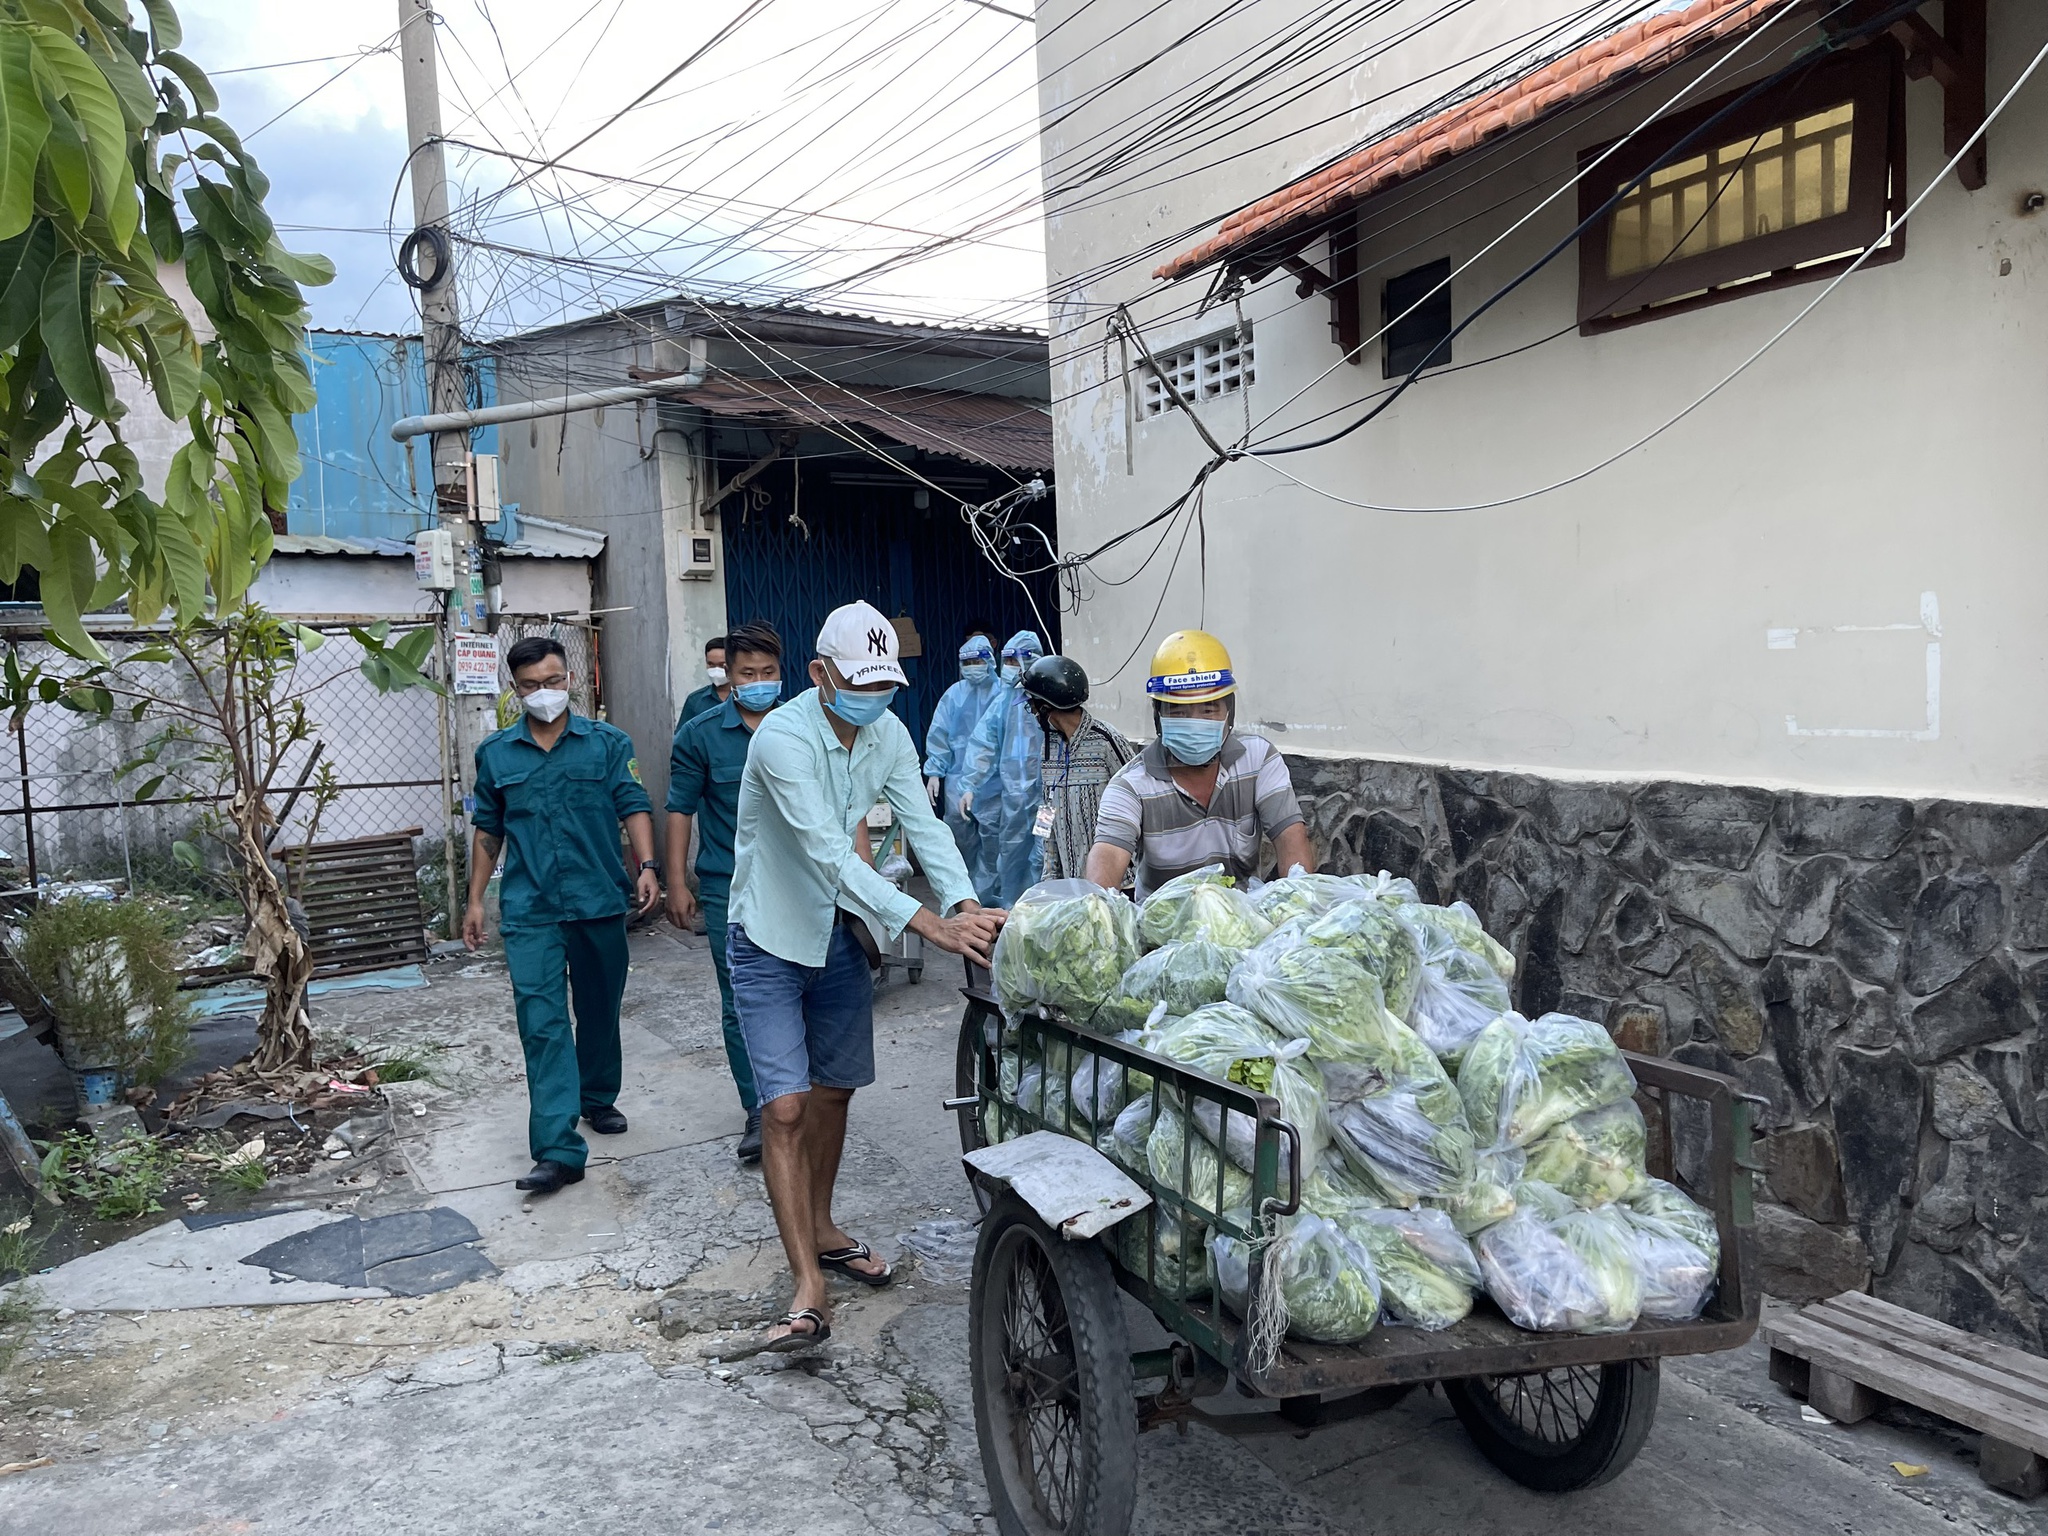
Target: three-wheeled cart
point(1060, 1397)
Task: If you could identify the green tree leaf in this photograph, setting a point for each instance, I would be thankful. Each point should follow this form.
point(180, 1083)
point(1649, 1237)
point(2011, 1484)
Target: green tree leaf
point(21, 301)
point(24, 126)
point(203, 94)
point(98, 112)
point(68, 333)
point(164, 29)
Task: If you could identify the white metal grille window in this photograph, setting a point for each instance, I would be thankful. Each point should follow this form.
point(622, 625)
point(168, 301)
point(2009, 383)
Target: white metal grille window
point(1216, 365)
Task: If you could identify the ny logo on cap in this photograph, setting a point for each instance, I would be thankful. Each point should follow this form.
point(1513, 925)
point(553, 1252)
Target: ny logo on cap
point(878, 641)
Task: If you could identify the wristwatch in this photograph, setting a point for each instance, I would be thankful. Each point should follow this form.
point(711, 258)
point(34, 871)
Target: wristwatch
point(653, 864)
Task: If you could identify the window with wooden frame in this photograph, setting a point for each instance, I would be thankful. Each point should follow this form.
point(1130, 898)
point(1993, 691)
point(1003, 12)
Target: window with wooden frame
point(1788, 188)
point(1415, 314)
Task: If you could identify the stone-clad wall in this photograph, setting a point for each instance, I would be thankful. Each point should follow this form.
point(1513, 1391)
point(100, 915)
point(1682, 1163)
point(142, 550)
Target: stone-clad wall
point(1876, 969)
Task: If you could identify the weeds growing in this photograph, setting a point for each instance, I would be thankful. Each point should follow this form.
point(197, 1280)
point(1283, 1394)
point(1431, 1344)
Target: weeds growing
point(120, 1180)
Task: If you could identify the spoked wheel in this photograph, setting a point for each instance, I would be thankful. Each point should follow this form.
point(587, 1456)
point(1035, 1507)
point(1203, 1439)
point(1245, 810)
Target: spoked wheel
point(1054, 1402)
point(966, 1083)
point(1556, 1431)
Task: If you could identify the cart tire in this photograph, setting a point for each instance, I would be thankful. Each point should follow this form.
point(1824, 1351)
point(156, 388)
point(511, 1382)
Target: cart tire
point(1558, 1431)
point(966, 1083)
point(916, 974)
point(1054, 1401)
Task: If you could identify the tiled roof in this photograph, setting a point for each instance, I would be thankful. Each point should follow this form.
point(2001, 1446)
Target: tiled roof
point(1654, 43)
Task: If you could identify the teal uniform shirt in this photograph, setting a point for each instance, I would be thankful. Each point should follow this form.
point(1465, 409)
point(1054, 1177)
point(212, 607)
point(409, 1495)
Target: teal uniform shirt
point(558, 814)
point(703, 701)
point(704, 769)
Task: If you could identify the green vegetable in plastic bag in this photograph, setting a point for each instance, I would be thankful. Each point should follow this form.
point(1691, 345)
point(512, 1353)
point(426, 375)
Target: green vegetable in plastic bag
point(1427, 1271)
point(1670, 1204)
point(1178, 1264)
point(1066, 945)
point(1171, 1145)
point(1462, 988)
point(1371, 933)
point(1677, 1274)
point(1557, 1269)
point(1216, 1039)
point(1595, 1157)
point(1338, 1184)
point(1185, 975)
point(1203, 904)
point(1124, 1142)
point(1520, 1078)
point(1326, 1277)
point(1490, 1196)
point(1407, 1132)
point(1302, 895)
point(1309, 992)
point(1100, 1088)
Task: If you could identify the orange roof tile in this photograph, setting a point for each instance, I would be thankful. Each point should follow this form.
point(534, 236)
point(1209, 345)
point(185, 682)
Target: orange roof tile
point(1646, 46)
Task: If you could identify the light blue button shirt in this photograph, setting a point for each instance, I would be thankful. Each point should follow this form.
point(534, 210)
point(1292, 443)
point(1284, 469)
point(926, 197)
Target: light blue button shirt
point(794, 856)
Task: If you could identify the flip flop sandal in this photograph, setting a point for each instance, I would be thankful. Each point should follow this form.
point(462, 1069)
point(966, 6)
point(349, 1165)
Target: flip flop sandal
point(788, 1343)
point(842, 1261)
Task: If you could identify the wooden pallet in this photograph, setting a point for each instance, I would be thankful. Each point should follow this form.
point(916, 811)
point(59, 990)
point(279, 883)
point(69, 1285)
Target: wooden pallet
point(362, 902)
point(1848, 1354)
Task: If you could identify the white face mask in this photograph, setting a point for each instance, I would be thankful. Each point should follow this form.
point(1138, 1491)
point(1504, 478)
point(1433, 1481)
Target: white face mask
point(717, 676)
point(546, 703)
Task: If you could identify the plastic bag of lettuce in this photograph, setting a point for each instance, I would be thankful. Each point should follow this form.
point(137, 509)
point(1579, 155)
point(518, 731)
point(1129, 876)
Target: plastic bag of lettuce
point(1521, 1078)
point(1371, 932)
point(1202, 904)
point(1327, 1281)
point(1595, 1157)
point(1309, 992)
point(1227, 1042)
point(1066, 945)
point(1402, 1125)
point(1557, 1269)
point(1184, 975)
point(1463, 986)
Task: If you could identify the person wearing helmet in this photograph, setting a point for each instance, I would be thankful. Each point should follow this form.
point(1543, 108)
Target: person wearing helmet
point(1202, 793)
point(1081, 755)
point(1003, 787)
point(945, 754)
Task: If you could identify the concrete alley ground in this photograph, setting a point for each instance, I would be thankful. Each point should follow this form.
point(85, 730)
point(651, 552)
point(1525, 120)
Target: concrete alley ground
point(573, 1388)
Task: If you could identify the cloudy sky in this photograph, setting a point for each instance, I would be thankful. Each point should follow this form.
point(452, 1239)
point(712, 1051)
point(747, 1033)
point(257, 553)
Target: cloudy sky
point(818, 149)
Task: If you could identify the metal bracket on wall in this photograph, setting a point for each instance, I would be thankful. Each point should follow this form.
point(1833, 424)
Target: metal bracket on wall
point(1953, 56)
point(784, 443)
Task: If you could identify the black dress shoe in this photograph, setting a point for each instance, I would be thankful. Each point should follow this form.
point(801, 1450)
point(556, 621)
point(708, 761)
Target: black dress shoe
point(605, 1119)
point(750, 1139)
point(548, 1176)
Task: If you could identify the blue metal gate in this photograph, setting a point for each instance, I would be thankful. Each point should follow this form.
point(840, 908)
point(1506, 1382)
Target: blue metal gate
point(792, 561)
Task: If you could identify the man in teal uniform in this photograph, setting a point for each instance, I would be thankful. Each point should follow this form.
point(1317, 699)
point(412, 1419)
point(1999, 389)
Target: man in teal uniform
point(714, 692)
point(551, 792)
point(704, 768)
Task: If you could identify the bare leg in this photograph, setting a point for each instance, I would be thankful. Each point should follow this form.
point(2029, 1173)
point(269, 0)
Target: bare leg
point(787, 1164)
point(825, 1139)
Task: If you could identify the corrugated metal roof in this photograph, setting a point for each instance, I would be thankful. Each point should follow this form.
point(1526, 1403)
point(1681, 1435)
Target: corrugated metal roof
point(1294, 211)
point(538, 538)
point(987, 429)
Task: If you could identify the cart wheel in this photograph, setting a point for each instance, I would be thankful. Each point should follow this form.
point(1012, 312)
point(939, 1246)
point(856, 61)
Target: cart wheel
point(1054, 1401)
point(916, 974)
point(966, 1084)
point(1557, 1431)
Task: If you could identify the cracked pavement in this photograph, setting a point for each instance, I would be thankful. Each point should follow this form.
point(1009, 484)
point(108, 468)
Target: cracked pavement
point(582, 1383)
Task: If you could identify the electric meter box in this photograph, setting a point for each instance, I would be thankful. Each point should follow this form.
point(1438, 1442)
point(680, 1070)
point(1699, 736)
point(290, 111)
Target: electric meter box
point(484, 504)
point(433, 559)
point(700, 557)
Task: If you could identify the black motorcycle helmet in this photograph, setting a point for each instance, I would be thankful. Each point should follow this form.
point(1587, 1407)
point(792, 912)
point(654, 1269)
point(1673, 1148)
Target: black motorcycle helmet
point(1057, 682)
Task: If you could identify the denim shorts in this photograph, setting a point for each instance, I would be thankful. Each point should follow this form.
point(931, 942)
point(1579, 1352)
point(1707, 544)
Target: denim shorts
point(804, 1024)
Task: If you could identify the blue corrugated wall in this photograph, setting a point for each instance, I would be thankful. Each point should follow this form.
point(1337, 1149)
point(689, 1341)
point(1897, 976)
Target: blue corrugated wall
point(358, 483)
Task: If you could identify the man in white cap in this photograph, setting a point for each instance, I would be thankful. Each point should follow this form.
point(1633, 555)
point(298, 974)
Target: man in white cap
point(797, 946)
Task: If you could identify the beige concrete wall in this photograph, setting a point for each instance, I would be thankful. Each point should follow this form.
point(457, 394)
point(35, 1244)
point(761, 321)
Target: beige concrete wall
point(1854, 526)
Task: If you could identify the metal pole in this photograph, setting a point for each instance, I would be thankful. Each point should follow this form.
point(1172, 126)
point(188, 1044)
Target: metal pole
point(451, 805)
point(447, 391)
point(28, 813)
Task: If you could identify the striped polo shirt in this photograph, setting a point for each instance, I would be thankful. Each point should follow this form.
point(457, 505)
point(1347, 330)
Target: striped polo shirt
point(1169, 832)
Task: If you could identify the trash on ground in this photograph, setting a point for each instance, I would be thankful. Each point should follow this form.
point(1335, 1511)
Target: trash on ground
point(1909, 1469)
point(1813, 1415)
point(944, 1248)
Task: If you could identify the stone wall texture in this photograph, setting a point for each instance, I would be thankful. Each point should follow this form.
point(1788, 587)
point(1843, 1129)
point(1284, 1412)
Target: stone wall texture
point(1875, 969)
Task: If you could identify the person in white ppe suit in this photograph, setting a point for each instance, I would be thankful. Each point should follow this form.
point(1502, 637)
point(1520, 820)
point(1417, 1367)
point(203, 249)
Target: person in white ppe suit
point(945, 757)
point(1005, 786)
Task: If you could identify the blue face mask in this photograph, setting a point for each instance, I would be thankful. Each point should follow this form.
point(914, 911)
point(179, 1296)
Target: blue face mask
point(1193, 742)
point(974, 672)
point(758, 696)
point(858, 709)
point(1012, 671)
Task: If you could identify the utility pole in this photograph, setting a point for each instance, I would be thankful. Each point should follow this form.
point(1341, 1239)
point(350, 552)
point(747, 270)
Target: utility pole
point(431, 273)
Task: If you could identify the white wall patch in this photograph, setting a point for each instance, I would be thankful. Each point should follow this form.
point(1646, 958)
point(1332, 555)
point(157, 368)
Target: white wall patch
point(1930, 622)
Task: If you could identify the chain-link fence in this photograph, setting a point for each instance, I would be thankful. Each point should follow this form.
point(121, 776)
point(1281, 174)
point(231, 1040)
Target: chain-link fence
point(373, 763)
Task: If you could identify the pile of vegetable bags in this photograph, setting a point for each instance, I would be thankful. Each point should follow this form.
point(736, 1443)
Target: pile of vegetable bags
point(1448, 1145)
